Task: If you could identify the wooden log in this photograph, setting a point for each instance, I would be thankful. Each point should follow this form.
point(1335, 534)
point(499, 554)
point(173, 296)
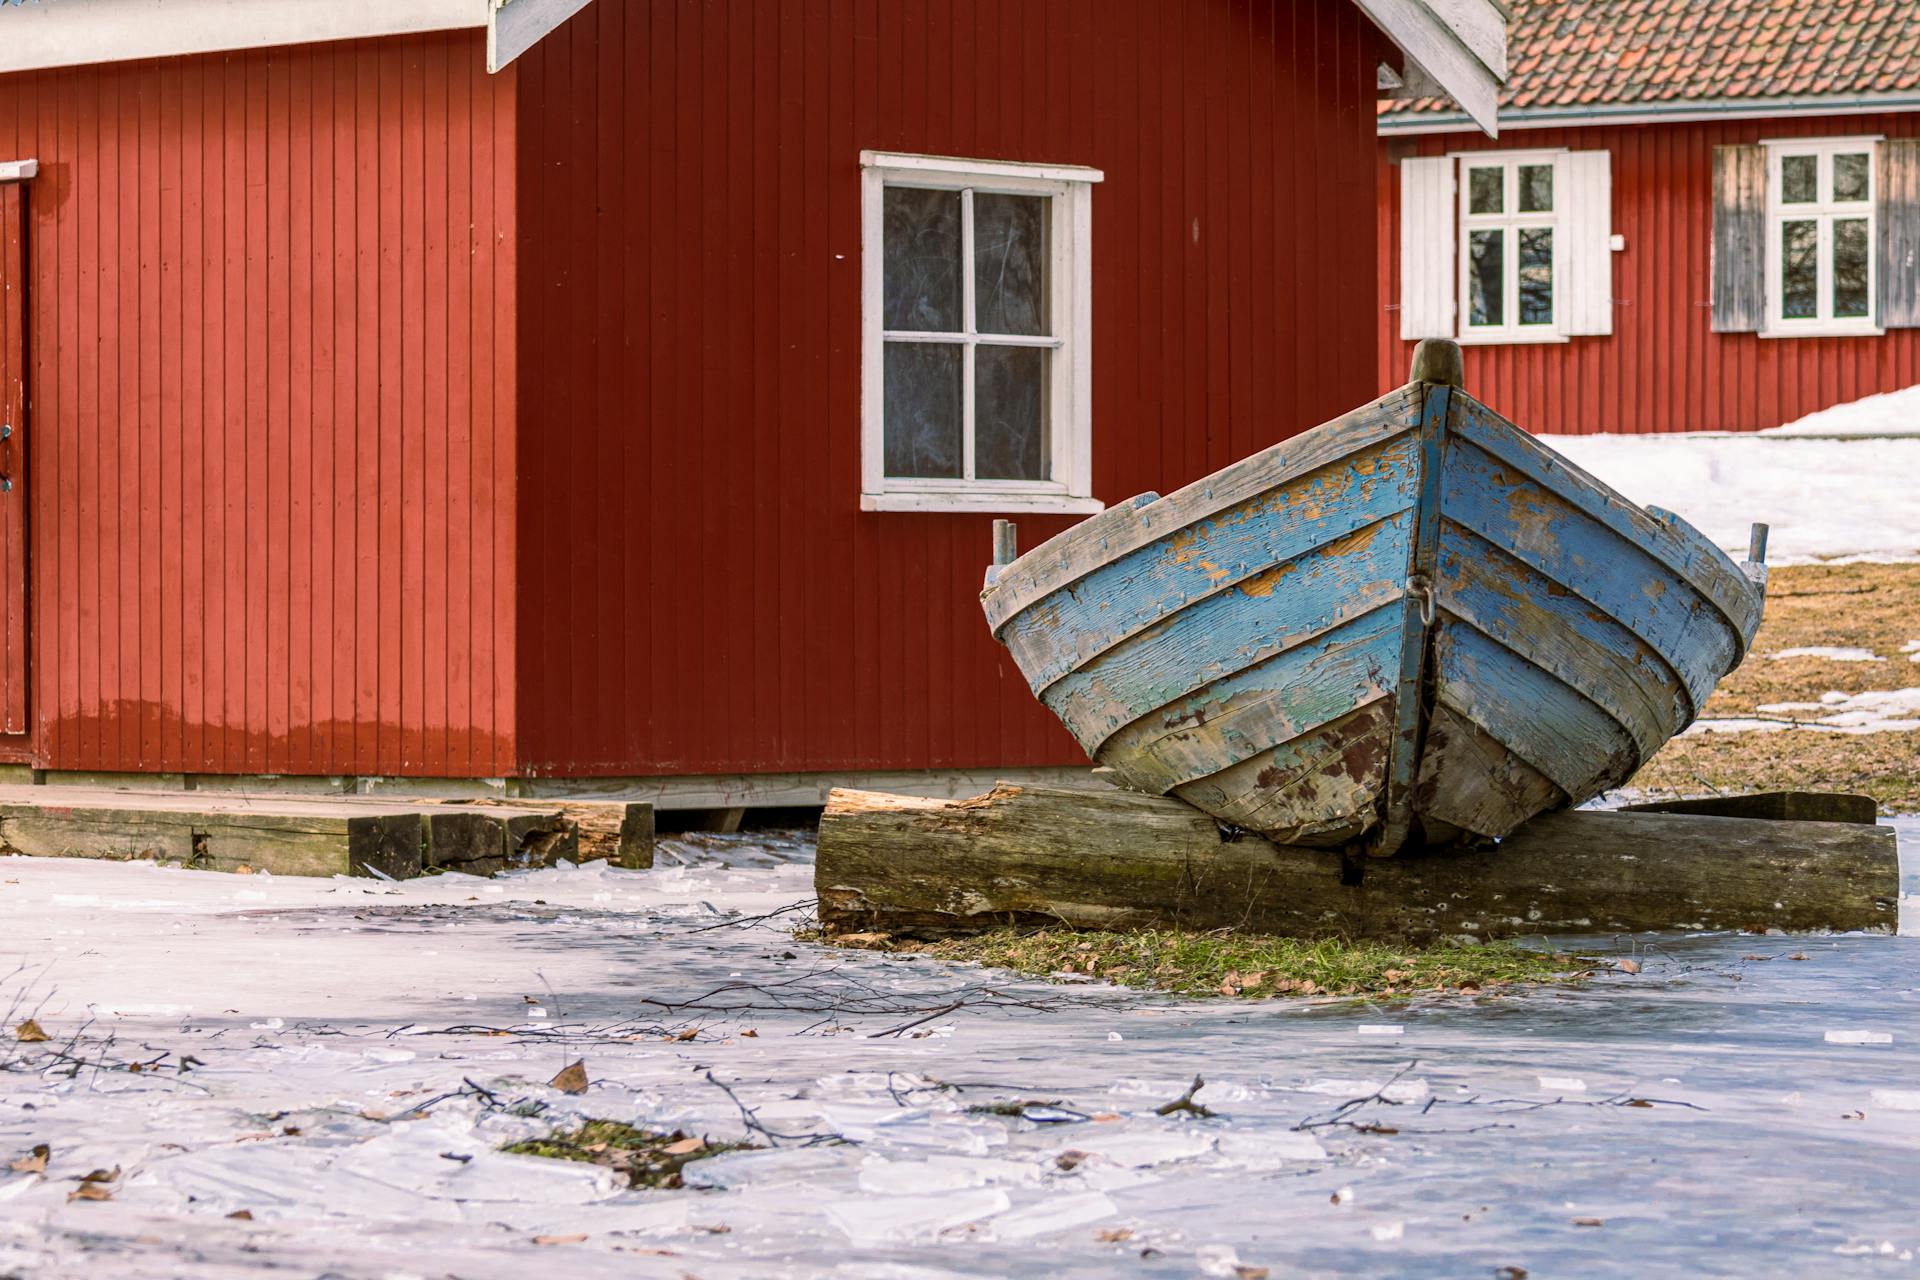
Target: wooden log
point(1094, 859)
point(617, 830)
point(485, 839)
point(1774, 806)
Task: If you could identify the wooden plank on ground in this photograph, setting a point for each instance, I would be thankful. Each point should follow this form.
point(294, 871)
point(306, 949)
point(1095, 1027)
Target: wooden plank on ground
point(1113, 859)
point(620, 831)
point(1775, 806)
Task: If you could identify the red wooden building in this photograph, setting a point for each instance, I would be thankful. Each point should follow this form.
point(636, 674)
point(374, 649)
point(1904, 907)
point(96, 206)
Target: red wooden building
point(1696, 216)
point(638, 410)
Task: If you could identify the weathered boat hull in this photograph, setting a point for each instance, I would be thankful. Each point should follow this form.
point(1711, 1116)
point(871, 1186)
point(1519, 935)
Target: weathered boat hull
point(1413, 623)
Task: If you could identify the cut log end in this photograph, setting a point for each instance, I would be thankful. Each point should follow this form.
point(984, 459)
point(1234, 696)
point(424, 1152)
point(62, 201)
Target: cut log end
point(1438, 362)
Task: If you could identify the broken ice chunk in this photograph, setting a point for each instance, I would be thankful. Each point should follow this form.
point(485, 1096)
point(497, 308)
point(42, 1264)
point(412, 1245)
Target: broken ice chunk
point(1056, 1213)
point(1897, 1099)
point(903, 1219)
point(1859, 1037)
point(1380, 1029)
point(1563, 1084)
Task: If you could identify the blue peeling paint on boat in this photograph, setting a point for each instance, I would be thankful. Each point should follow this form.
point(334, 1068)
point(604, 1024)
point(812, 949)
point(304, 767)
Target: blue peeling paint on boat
point(1415, 624)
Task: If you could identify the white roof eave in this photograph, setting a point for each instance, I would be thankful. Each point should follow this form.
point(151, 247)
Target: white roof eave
point(1460, 44)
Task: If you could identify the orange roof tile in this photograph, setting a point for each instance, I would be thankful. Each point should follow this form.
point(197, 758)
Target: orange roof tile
point(1571, 53)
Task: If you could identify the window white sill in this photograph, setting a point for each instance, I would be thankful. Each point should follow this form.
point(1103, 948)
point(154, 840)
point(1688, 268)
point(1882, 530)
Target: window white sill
point(1827, 331)
point(1510, 338)
point(987, 502)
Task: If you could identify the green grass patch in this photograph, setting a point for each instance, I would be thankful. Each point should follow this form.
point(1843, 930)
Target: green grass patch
point(648, 1158)
point(1252, 966)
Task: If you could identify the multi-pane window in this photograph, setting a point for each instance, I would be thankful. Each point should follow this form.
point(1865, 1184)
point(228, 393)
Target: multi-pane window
point(1820, 237)
point(1509, 224)
point(976, 364)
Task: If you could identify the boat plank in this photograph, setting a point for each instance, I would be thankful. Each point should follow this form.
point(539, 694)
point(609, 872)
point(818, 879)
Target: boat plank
point(1071, 555)
point(1548, 725)
point(1484, 588)
point(1071, 628)
point(1292, 604)
point(1473, 783)
point(1322, 788)
point(1544, 532)
point(1690, 556)
point(1238, 718)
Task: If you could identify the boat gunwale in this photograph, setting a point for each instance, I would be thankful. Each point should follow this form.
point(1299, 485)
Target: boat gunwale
point(1066, 558)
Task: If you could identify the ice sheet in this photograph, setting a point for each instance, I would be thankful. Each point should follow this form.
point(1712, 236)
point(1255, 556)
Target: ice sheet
point(1719, 1130)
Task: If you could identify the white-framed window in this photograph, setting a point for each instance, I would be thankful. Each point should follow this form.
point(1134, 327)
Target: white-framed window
point(1510, 248)
point(976, 319)
point(1820, 237)
point(1507, 246)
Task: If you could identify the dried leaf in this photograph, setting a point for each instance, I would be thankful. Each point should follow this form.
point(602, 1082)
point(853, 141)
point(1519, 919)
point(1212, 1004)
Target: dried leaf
point(689, 1034)
point(242, 1215)
point(34, 1161)
point(572, 1077)
point(30, 1032)
point(90, 1191)
point(686, 1146)
point(1636, 1102)
point(1798, 955)
point(103, 1175)
point(1629, 966)
point(1069, 1160)
point(1244, 1272)
point(1589, 1222)
point(1113, 1235)
point(573, 1239)
point(750, 1034)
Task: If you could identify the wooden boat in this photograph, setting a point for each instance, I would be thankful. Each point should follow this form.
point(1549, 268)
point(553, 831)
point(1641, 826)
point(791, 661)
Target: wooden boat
point(1413, 625)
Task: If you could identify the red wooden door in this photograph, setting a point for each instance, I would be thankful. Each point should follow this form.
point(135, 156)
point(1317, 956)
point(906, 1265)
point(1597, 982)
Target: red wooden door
point(13, 458)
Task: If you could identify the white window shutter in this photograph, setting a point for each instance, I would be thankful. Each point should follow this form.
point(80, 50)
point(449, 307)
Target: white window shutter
point(1426, 247)
point(1586, 215)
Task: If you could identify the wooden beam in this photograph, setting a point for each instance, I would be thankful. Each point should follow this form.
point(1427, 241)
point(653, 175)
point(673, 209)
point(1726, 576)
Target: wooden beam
point(1113, 859)
point(1774, 806)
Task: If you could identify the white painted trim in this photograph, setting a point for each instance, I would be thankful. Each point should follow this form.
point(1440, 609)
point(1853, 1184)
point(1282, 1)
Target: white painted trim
point(998, 503)
point(1849, 104)
point(1823, 213)
point(515, 26)
point(18, 170)
point(1527, 337)
point(1445, 46)
point(972, 171)
point(1070, 420)
point(65, 33)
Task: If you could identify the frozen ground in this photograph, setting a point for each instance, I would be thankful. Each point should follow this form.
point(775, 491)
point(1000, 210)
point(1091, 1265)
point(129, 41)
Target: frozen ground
point(1735, 1109)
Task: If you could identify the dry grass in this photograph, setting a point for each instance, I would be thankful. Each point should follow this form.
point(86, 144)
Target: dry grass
point(1865, 606)
point(1251, 966)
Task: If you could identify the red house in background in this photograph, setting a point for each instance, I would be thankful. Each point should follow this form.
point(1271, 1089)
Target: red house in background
point(1696, 217)
point(637, 412)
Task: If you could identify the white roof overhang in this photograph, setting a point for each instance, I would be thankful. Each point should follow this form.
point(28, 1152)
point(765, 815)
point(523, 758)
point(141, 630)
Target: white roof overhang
point(1460, 45)
point(35, 34)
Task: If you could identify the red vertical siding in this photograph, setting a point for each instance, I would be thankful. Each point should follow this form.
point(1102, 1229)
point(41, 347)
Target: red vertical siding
point(1662, 368)
point(272, 300)
point(701, 592)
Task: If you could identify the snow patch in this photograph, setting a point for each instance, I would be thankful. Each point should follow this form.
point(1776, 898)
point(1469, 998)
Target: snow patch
point(1890, 413)
point(1830, 652)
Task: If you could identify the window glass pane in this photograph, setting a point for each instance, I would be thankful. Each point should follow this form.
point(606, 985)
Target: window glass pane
point(1536, 275)
point(1009, 263)
point(1010, 412)
point(921, 266)
point(1536, 188)
point(1849, 267)
point(1486, 301)
point(1799, 270)
point(921, 401)
point(1486, 190)
point(1799, 179)
point(1850, 177)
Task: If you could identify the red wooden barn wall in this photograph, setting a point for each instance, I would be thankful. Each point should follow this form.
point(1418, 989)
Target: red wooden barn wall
point(1662, 369)
point(272, 390)
point(700, 591)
